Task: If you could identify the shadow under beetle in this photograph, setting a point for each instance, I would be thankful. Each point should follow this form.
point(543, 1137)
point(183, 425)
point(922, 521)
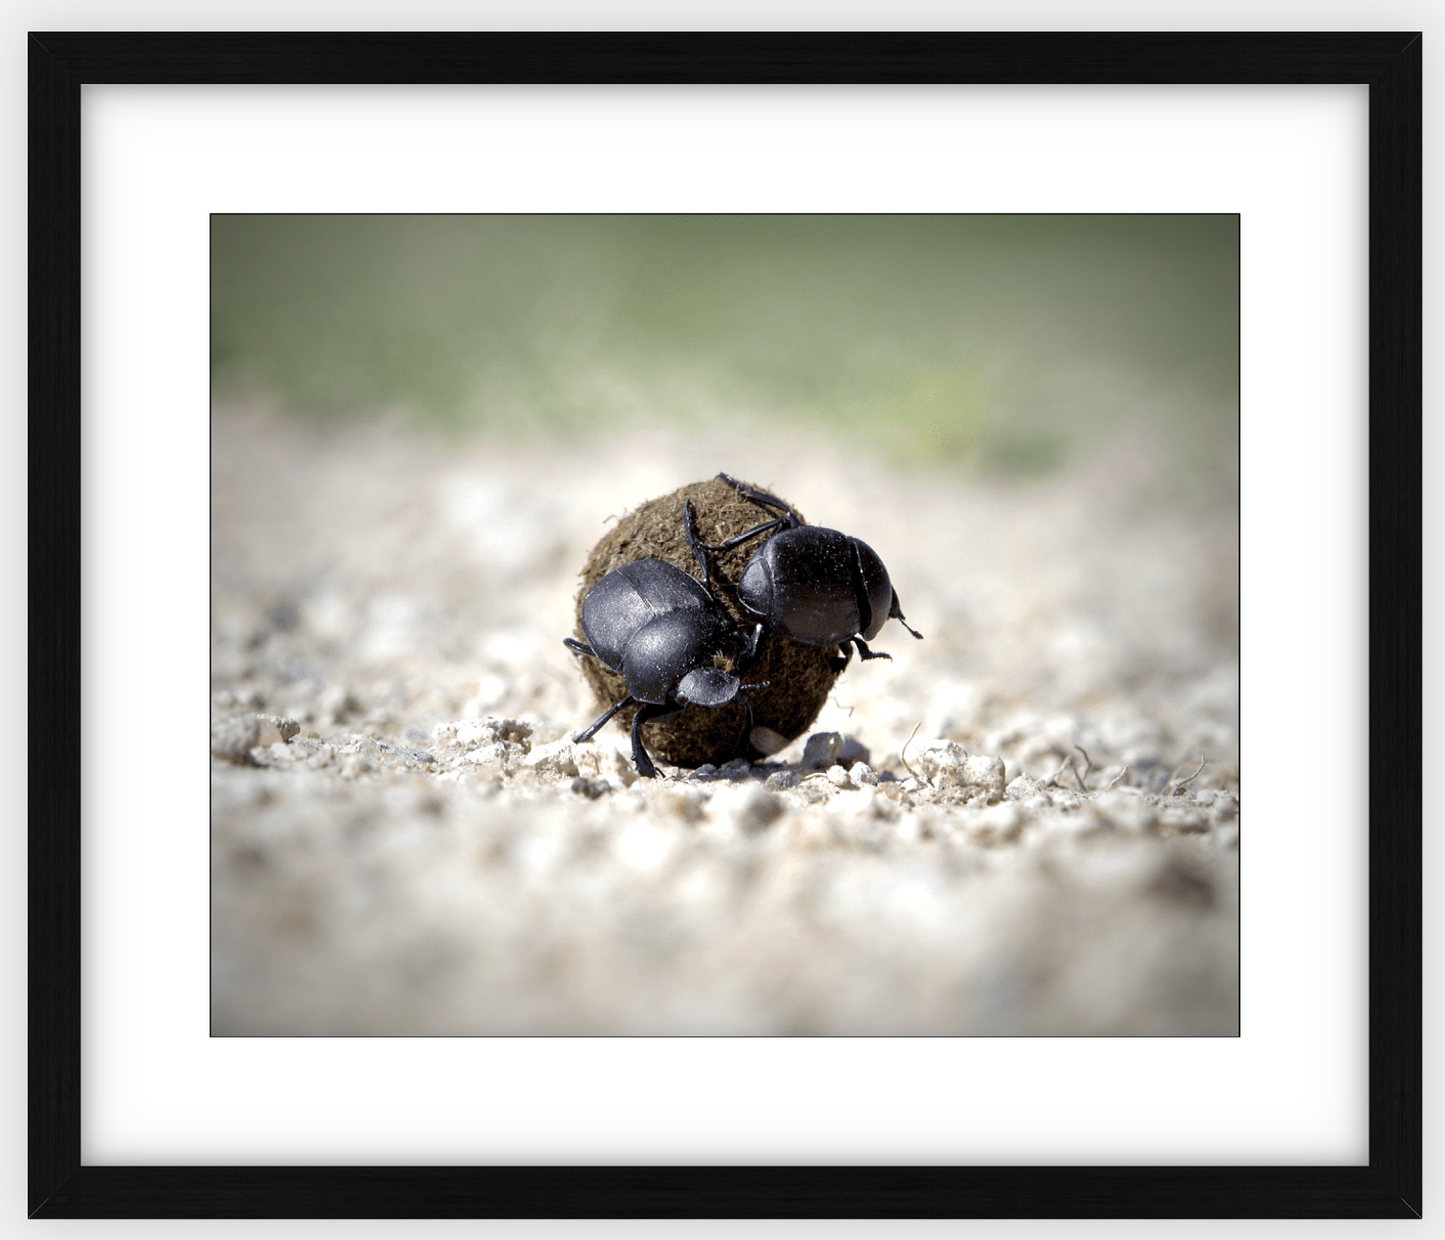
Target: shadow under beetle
point(670, 641)
point(816, 586)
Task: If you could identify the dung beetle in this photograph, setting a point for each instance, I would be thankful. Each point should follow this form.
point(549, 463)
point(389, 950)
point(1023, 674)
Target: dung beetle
point(670, 641)
point(813, 585)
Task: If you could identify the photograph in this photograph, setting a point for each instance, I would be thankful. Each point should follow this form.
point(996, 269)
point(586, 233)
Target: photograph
point(725, 625)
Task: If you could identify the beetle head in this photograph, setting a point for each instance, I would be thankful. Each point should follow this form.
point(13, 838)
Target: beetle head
point(707, 686)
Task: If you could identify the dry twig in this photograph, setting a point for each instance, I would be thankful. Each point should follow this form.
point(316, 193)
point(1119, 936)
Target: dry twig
point(1180, 786)
point(904, 750)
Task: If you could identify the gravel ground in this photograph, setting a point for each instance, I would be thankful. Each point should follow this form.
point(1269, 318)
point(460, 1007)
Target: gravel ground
point(405, 840)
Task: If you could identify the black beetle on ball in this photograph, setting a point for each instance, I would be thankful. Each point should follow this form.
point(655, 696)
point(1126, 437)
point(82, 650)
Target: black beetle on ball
point(813, 585)
point(670, 641)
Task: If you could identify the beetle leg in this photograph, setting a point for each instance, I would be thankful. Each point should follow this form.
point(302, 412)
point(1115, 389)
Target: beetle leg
point(865, 653)
point(582, 737)
point(763, 500)
point(745, 740)
point(689, 529)
point(839, 663)
point(757, 529)
point(580, 647)
point(639, 755)
point(896, 613)
point(751, 651)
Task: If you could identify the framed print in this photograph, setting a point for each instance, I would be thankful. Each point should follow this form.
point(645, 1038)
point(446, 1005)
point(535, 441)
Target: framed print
point(457, 151)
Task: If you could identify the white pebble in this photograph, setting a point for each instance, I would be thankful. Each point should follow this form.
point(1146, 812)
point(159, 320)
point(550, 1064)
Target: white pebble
point(949, 765)
point(232, 735)
point(276, 728)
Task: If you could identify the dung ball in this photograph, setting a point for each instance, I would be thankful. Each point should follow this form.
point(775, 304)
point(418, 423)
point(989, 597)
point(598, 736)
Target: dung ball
point(799, 678)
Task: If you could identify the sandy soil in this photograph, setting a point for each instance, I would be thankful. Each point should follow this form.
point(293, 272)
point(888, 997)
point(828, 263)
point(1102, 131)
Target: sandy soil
point(405, 839)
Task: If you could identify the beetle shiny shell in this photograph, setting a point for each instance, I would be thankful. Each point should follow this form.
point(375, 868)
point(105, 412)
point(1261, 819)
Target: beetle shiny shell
point(794, 585)
point(653, 624)
point(814, 585)
point(669, 640)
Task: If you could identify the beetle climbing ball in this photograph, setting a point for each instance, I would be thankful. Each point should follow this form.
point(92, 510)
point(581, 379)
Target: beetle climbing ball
point(817, 586)
point(670, 641)
point(795, 678)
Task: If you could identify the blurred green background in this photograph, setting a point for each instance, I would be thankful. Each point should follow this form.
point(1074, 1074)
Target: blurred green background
point(1013, 345)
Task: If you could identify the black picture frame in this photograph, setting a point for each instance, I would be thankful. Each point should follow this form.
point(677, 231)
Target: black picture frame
point(60, 1186)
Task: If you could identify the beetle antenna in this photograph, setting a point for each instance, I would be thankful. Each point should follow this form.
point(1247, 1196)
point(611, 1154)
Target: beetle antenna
point(896, 613)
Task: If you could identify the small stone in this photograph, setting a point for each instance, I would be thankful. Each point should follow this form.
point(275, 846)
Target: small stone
point(444, 734)
point(1022, 788)
point(950, 766)
point(839, 777)
point(779, 780)
point(822, 750)
point(514, 732)
point(565, 759)
point(233, 735)
point(472, 732)
point(590, 788)
point(864, 774)
point(766, 741)
point(277, 728)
